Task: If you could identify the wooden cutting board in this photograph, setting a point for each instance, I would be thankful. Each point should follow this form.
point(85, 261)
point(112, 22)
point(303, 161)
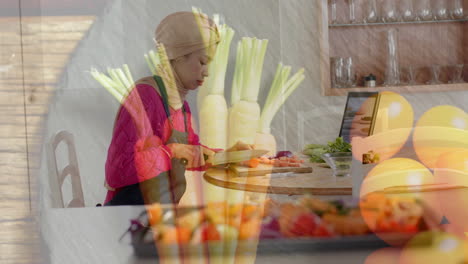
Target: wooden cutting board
point(264, 169)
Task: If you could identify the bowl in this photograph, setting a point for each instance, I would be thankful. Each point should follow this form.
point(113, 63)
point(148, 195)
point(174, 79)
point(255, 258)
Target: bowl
point(340, 162)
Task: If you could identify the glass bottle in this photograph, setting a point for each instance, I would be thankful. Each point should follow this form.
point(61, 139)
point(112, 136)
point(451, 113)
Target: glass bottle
point(392, 72)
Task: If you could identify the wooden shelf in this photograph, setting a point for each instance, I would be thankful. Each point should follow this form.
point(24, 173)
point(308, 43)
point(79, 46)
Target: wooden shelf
point(400, 89)
point(398, 23)
point(421, 44)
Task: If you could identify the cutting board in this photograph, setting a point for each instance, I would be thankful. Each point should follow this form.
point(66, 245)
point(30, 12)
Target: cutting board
point(264, 169)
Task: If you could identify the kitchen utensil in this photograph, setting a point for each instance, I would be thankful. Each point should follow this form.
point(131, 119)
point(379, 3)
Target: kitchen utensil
point(236, 156)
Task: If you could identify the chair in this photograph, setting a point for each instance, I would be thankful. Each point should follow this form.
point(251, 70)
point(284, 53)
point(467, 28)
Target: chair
point(57, 177)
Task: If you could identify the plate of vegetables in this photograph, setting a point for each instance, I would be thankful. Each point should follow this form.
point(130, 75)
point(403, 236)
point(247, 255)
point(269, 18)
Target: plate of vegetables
point(306, 225)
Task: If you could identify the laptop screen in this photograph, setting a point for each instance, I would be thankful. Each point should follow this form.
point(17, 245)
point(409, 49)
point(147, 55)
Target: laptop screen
point(358, 115)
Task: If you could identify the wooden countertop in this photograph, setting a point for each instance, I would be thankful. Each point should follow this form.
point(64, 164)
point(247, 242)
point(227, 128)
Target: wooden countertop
point(320, 182)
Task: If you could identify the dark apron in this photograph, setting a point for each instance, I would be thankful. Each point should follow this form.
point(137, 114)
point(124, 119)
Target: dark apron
point(167, 187)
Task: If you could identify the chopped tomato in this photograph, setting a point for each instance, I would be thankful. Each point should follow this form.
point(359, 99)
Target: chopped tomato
point(410, 228)
point(383, 226)
point(322, 231)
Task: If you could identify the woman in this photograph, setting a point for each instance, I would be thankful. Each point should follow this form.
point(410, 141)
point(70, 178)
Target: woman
point(151, 169)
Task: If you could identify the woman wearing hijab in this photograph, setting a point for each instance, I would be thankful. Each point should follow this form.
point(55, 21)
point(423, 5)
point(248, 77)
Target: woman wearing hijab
point(152, 169)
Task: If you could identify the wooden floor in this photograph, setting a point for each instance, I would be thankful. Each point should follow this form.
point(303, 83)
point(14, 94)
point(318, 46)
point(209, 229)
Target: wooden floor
point(33, 53)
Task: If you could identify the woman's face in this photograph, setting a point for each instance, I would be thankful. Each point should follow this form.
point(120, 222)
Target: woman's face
point(192, 69)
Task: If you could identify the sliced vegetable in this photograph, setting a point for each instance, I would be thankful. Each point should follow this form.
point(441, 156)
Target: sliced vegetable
point(284, 153)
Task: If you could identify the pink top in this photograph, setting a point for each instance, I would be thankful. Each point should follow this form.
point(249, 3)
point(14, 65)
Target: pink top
point(131, 159)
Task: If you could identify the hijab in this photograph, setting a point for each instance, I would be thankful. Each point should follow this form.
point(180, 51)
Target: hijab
point(182, 33)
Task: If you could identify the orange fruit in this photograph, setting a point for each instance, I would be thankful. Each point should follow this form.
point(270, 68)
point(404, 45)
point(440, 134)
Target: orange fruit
point(440, 130)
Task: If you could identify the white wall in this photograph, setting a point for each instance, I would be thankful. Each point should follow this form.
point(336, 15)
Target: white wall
point(124, 33)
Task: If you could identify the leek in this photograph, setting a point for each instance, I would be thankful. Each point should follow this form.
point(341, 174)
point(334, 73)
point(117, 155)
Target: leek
point(237, 82)
point(164, 70)
point(244, 114)
point(214, 83)
point(153, 60)
point(212, 104)
point(280, 90)
point(119, 85)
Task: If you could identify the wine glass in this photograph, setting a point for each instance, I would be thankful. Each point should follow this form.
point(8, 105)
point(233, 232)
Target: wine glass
point(371, 12)
point(389, 12)
point(440, 9)
point(457, 74)
point(349, 74)
point(338, 74)
point(435, 70)
point(334, 19)
point(424, 10)
point(410, 74)
point(457, 9)
point(407, 10)
point(352, 11)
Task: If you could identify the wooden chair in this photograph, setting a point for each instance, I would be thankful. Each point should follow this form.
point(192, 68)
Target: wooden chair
point(57, 177)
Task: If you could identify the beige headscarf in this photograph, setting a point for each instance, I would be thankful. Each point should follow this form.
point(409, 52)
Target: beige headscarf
point(183, 33)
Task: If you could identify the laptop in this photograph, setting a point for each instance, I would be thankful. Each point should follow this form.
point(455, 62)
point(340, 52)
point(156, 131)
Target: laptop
point(359, 115)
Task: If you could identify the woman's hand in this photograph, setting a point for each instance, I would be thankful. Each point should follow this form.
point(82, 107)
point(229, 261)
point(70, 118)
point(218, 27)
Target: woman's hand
point(192, 153)
point(208, 155)
point(240, 146)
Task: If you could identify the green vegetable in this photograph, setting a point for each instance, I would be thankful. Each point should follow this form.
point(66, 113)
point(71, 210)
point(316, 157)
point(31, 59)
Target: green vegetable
point(280, 90)
point(314, 146)
point(315, 151)
point(339, 145)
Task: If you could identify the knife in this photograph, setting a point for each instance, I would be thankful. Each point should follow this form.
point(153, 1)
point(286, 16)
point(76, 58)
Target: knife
point(236, 156)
